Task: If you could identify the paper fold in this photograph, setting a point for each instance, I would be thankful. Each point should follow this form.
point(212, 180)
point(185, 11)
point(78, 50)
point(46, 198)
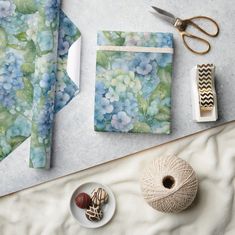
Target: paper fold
point(32, 66)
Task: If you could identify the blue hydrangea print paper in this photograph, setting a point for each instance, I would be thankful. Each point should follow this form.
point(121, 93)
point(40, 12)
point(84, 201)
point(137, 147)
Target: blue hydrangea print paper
point(133, 89)
point(35, 37)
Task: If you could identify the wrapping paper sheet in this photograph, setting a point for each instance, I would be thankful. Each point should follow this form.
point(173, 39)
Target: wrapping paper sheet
point(35, 40)
point(133, 82)
point(212, 155)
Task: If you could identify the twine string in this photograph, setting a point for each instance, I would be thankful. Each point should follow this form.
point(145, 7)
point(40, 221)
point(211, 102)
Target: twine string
point(175, 198)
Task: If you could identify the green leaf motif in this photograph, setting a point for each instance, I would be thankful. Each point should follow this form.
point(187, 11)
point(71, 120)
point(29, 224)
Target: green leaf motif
point(159, 92)
point(164, 114)
point(141, 127)
point(143, 104)
point(107, 35)
point(22, 37)
point(30, 51)
point(3, 39)
point(25, 6)
point(118, 40)
point(169, 68)
point(78, 35)
point(26, 94)
point(102, 59)
point(2, 156)
point(163, 90)
point(6, 120)
point(165, 74)
point(16, 47)
point(27, 68)
point(15, 141)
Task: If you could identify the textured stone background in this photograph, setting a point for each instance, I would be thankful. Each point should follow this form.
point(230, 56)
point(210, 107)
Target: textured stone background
point(76, 145)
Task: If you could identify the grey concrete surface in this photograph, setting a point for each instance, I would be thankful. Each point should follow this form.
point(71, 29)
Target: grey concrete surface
point(76, 146)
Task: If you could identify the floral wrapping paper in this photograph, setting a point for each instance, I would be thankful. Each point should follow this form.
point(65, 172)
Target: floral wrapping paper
point(133, 89)
point(35, 37)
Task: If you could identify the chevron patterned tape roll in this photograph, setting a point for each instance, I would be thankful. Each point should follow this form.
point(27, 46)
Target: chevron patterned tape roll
point(205, 86)
point(169, 184)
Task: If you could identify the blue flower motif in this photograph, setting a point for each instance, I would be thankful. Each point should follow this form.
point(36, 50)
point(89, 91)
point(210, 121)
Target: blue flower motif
point(112, 95)
point(130, 107)
point(63, 47)
point(21, 127)
point(105, 106)
point(10, 80)
point(101, 40)
point(67, 31)
point(117, 106)
point(144, 57)
point(51, 9)
point(161, 127)
point(120, 64)
point(144, 68)
point(138, 59)
point(45, 119)
point(166, 102)
point(127, 103)
point(48, 81)
point(37, 156)
point(7, 99)
point(142, 63)
point(37, 93)
point(62, 98)
point(71, 90)
point(99, 88)
point(153, 108)
point(17, 83)
point(164, 40)
point(99, 116)
point(13, 25)
point(99, 125)
point(12, 66)
point(102, 108)
point(164, 59)
point(67, 27)
point(6, 84)
point(7, 8)
point(45, 41)
point(121, 122)
point(150, 80)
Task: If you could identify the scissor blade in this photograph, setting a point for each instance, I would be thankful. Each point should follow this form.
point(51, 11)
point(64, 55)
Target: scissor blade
point(165, 15)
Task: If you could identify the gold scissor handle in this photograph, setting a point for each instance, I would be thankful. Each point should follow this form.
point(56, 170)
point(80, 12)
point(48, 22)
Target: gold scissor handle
point(182, 25)
point(185, 35)
point(191, 22)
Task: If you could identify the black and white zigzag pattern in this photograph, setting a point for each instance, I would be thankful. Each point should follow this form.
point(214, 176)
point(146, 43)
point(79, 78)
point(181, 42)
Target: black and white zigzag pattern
point(207, 99)
point(205, 86)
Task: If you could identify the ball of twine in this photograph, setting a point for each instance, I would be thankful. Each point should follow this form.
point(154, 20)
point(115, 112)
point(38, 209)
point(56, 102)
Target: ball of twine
point(169, 184)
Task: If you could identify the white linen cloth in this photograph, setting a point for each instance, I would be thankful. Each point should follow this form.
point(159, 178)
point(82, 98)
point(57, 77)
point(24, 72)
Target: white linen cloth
point(44, 209)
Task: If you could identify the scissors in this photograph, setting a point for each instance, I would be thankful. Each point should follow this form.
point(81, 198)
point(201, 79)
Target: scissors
point(182, 25)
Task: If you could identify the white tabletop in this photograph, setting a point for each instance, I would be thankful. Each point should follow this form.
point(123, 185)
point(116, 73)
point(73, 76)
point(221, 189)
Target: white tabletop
point(76, 145)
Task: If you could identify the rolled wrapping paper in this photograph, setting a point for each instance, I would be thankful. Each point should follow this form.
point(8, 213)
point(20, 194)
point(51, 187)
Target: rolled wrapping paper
point(21, 33)
point(44, 83)
point(169, 184)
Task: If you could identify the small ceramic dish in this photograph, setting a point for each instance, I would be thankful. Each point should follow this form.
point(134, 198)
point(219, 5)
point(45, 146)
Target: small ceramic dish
point(108, 208)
